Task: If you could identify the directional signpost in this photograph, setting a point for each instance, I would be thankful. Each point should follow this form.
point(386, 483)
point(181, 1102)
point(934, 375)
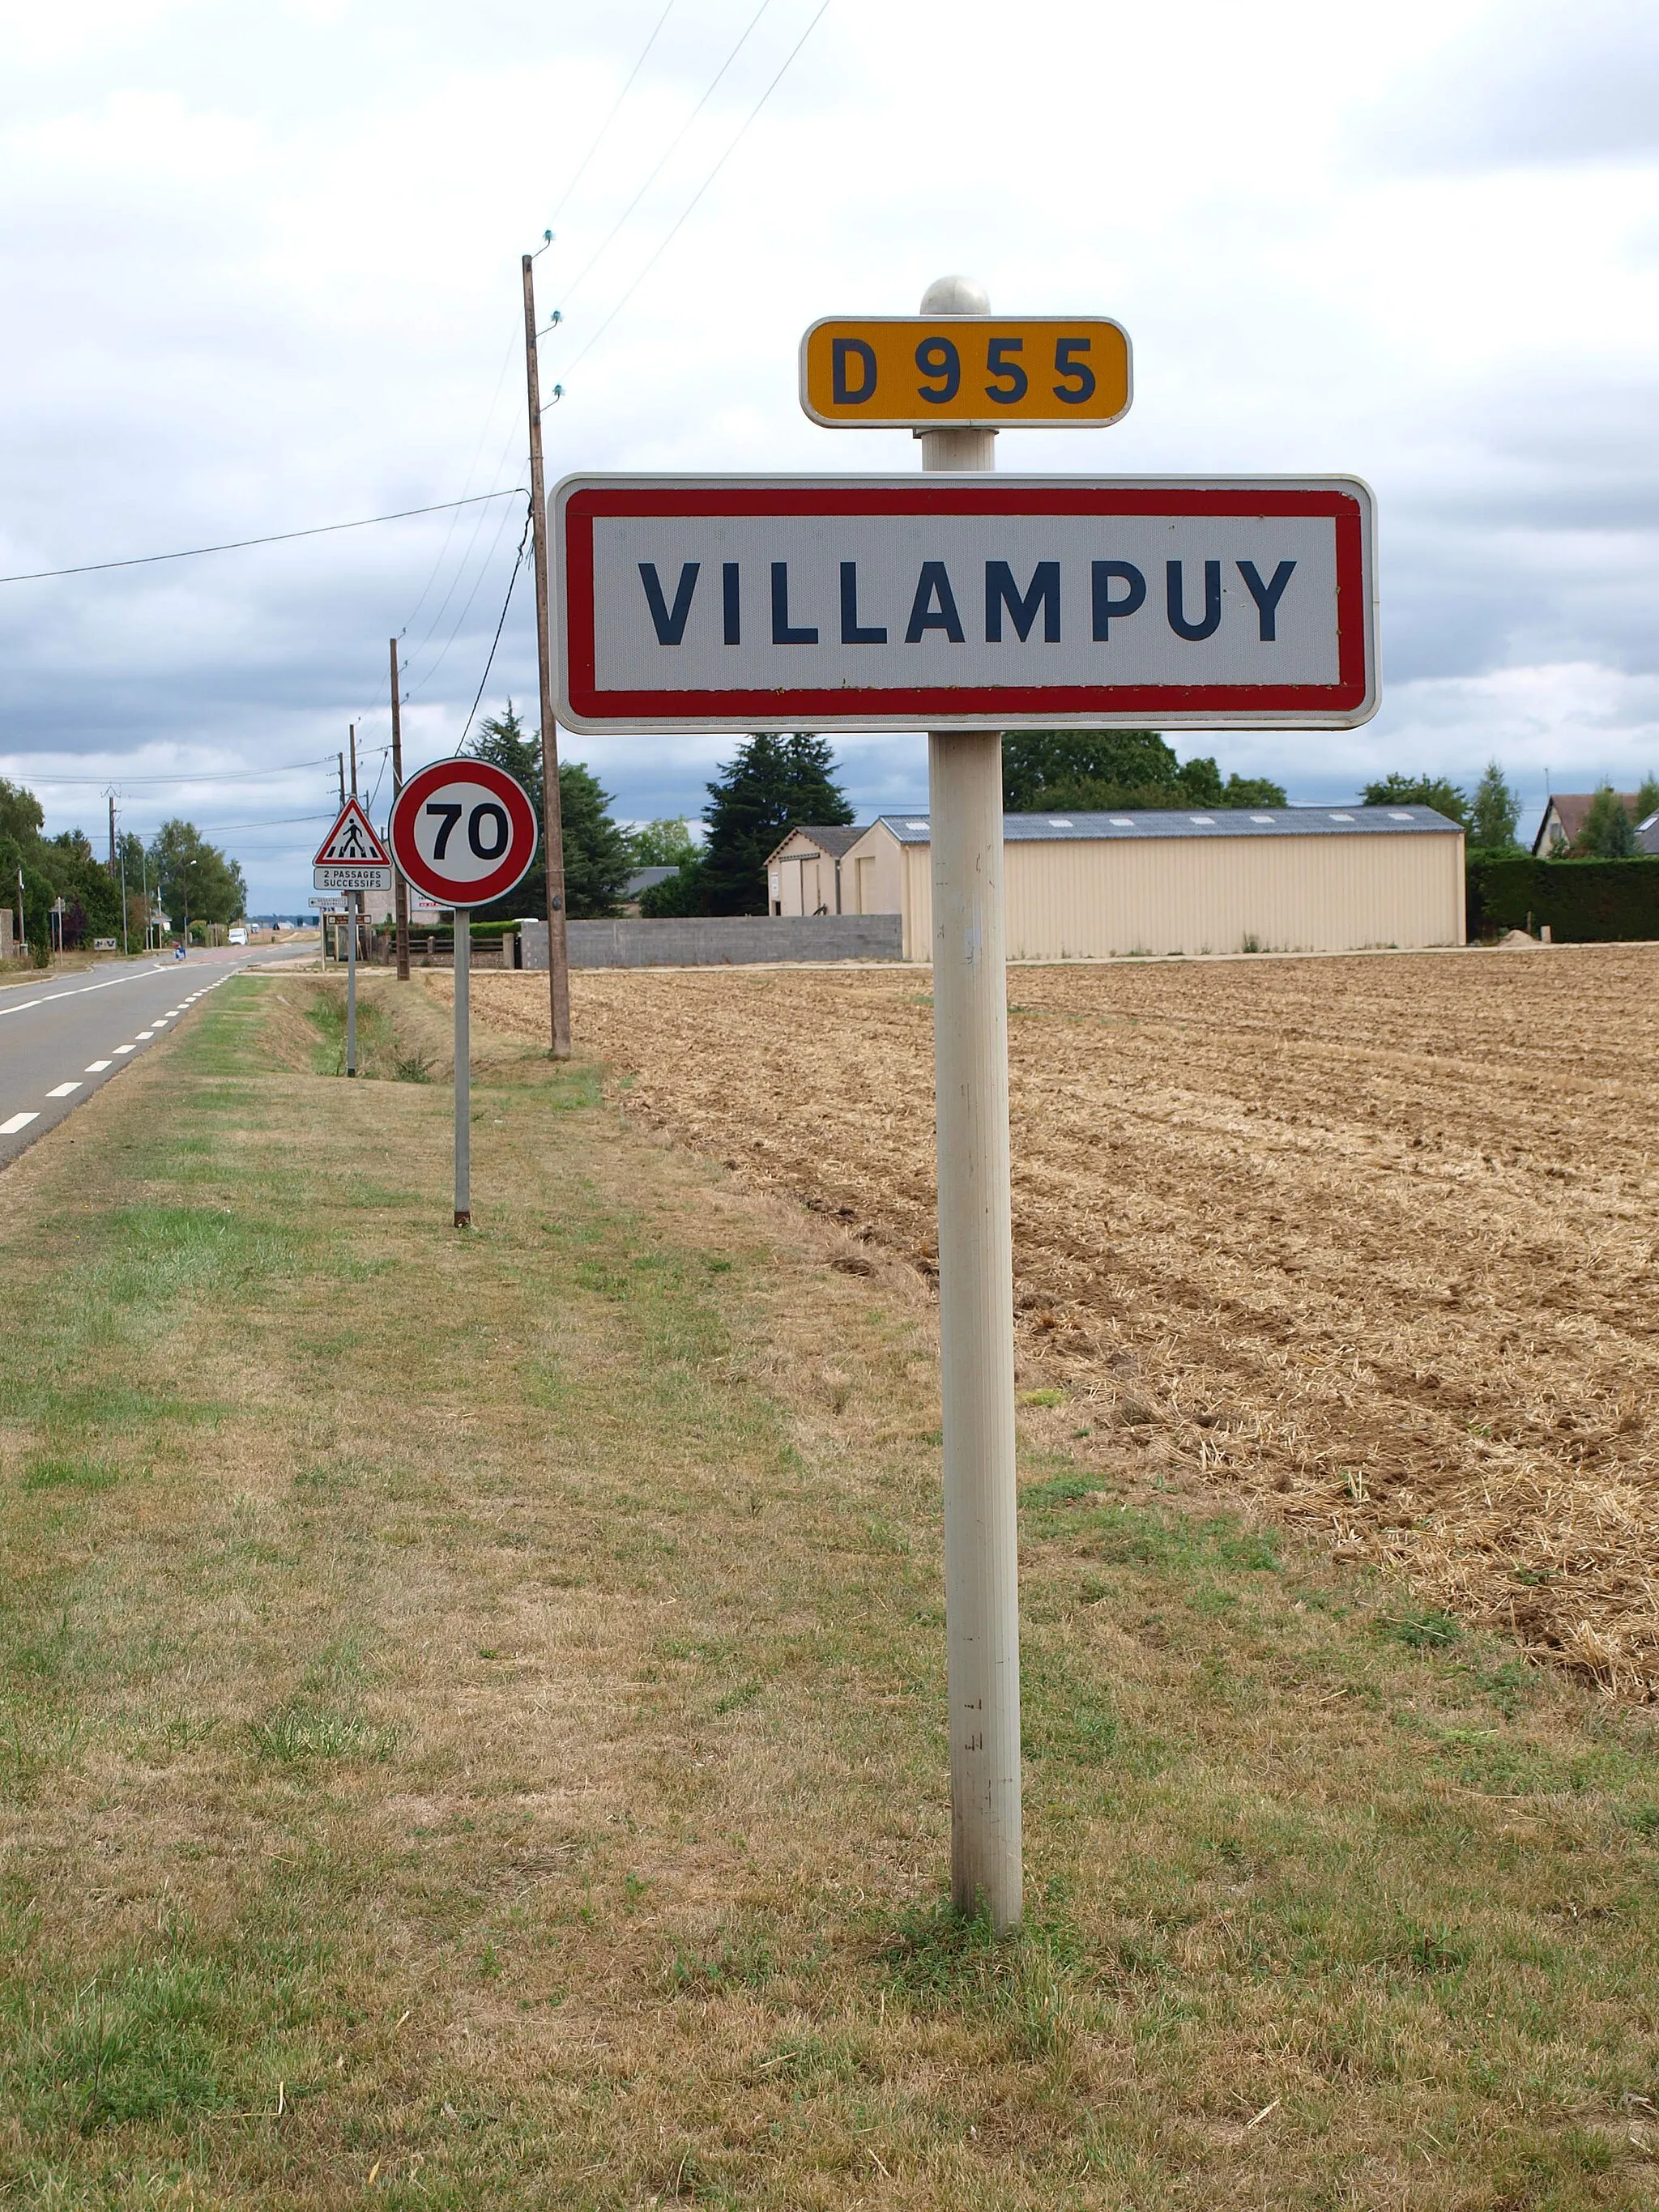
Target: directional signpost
point(966, 603)
point(463, 832)
point(351, 859)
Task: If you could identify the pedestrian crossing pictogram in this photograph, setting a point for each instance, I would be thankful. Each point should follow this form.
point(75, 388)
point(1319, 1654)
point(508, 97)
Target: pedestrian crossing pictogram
point(352, 842)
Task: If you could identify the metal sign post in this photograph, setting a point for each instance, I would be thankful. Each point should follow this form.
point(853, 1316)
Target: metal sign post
point(463, 1067)
point(353, 908)
point(351, 859)
point(464, 833)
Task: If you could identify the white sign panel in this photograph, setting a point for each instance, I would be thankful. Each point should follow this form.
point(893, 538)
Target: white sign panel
point(939, 601)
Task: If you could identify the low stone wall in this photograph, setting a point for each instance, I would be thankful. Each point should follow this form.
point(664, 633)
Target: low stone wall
point(721, 941)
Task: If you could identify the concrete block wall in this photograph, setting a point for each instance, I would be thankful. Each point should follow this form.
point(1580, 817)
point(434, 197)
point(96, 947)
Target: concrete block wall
point(720, 941)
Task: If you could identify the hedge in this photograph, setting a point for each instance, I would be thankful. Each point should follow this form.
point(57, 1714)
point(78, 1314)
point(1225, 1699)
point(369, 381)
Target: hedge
point(1583, 901)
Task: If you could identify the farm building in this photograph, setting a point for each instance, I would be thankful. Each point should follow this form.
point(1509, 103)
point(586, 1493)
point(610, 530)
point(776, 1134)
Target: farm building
point(1096, 886)
point(802, 874)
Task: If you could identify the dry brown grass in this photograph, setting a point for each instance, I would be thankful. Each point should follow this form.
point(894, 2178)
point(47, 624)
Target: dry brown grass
point(1374, 1236)
point(471, 1725)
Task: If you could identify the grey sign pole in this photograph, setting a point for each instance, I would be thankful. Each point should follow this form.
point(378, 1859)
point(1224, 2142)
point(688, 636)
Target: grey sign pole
point(975, 1268)
point(353, 908)
point(462, 1068)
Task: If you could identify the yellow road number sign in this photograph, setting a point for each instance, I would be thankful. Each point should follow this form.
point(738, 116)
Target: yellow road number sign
point(902, 372)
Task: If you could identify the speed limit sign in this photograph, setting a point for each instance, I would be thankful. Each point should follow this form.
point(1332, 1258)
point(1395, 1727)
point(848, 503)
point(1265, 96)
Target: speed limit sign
point(464, 832)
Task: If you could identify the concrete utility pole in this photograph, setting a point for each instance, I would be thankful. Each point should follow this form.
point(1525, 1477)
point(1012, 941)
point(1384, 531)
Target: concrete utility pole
point(976, 1267)
point(400, 888)
point(558, 964)
point(111, 832)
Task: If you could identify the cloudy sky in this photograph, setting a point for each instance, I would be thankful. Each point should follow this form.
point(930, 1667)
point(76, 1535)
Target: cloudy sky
point(261, 267)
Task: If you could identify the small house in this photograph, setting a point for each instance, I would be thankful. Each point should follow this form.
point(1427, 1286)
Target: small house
point(1565, 816)
point(804, 873)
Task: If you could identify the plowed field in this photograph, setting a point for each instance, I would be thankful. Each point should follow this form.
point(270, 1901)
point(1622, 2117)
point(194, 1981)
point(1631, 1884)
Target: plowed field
point(1371, 1240)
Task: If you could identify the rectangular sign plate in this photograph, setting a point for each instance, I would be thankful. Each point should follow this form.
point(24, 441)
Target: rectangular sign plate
point(875, 372)
point(351, 877)
point(963, 602)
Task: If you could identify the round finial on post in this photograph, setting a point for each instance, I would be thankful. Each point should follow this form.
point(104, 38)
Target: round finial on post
point(956, 296)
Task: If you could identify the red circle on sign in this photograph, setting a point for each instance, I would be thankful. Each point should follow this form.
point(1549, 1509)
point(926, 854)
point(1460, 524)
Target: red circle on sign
point(462, 831)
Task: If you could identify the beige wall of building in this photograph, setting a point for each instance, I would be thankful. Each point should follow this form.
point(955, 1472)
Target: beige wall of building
point(1095, 899)
point(872, 874)
point(801, 876)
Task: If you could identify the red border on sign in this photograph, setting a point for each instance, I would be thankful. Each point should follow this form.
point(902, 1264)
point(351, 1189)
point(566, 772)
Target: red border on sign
point(521, 819)
point(873, 707)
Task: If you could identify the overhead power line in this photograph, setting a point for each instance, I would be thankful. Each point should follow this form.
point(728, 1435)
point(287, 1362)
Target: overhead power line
point(667, 152)
point(581, 166)
point(277, 537)
point(500, 627)
point(692, 204)
point(183, 776)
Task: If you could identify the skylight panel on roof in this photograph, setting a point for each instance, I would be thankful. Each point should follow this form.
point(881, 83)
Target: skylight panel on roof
point(1121, 821)
point(915, 825)
point(1267, 818)
point(1395, 815)
point(1342, 817)
point(1208, 820)
point(1061, 822)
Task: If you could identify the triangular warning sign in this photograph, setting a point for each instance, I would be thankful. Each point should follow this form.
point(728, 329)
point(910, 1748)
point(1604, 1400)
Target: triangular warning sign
point(352, 842)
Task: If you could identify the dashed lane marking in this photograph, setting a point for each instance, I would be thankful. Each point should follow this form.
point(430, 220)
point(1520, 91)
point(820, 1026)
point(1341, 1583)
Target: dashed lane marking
point(126, 1047)
point(97, 1066)
point(17, 1121)
point(63, 1090)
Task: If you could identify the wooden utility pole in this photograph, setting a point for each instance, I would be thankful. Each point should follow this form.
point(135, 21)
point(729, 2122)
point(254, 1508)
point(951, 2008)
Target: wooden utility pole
point(400, 888)
point(558, 966)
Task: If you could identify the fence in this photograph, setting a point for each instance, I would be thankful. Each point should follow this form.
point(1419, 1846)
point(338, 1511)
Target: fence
point(722, 941)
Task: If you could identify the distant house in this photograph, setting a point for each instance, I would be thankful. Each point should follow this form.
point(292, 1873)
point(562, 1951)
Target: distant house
point(1564, 813)
point(643, 880)
point(802, 874)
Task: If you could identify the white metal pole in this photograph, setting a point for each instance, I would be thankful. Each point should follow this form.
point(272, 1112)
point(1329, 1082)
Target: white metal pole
point(352, 898)
point(462, 1068)
point(975, 1269)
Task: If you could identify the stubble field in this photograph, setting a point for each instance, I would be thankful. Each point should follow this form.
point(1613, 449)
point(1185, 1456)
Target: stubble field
point(1367, 1241)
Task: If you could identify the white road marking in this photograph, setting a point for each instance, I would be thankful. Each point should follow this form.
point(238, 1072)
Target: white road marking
point(97, 1066)
point(23, 1005)
point(17, 1121)
point(146, 1033)
point(63, 1089)
point(126, 1048)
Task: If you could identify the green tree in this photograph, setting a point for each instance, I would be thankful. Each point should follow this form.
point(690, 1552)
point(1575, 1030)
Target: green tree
point(597, 859)
point(775, 784)
point(1494, 811)
point(1088, 769)
point(195, 880)
point(1608, 833)
point(665, 844)
point(1253, 791)
point(1091, 771)
point(1397, 790)
point(680, 893)
point(1647, 799)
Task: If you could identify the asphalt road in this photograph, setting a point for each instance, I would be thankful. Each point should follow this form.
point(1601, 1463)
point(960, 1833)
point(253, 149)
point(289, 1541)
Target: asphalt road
point(62, 1038)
